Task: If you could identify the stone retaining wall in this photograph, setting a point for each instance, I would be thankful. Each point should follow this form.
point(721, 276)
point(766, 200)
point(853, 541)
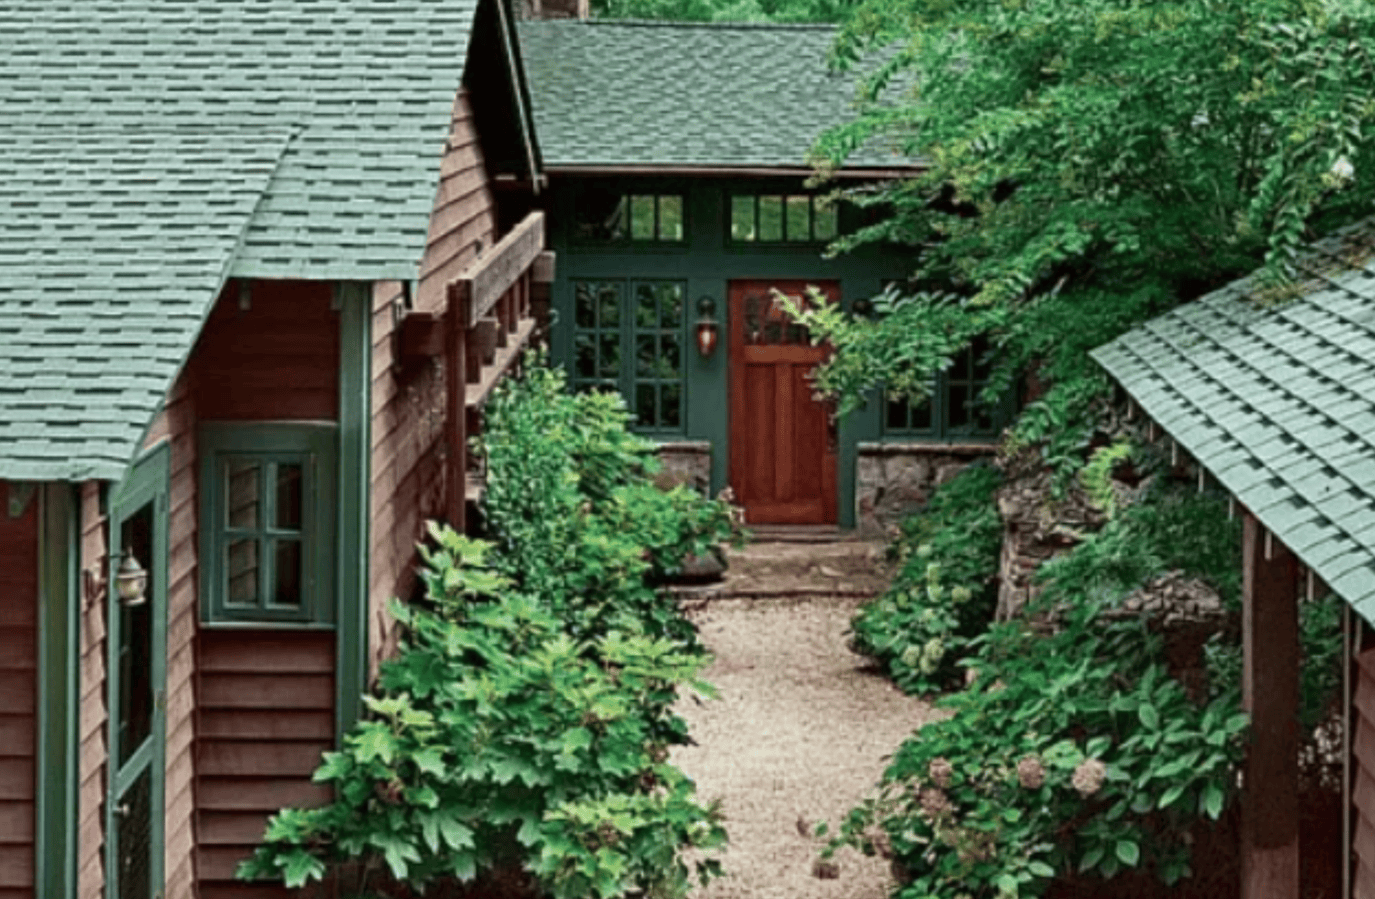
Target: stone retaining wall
point(686, 462)
point(893, 480)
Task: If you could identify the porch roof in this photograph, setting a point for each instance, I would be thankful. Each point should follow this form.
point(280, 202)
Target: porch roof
point(1277, 401)
point(680, 96)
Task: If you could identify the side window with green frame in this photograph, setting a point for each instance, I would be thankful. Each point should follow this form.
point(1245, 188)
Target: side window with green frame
point(267, 523)
point(954, 410)
point(628, 337)
point(782, 219)
point(608, 213)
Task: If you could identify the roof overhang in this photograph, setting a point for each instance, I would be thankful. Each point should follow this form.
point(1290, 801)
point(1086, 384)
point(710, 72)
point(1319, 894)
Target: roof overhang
point(733, 171)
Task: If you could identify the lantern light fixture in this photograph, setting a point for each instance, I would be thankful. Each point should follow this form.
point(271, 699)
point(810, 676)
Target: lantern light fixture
point(131, 581)
point(707, 327)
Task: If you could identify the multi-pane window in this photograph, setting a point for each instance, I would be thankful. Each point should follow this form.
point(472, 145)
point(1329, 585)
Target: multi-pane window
point(628, 336)
point(782, 218)
point(266, 524)
point(607, 215)
point(954, 409)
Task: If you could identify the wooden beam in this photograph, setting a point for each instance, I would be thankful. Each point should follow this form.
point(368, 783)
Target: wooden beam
point(455, 389)
point(505, 357)
point(491, 275)
point(1270, 684)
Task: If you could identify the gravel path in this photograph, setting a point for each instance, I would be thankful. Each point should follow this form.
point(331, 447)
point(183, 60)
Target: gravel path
point(800, 730)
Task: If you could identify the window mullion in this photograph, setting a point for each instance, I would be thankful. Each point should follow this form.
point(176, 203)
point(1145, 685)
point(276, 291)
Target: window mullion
point(265, 559)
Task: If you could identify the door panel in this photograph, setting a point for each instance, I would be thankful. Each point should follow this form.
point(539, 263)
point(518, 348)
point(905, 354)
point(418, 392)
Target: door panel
point(783, 453)
point(136, 671)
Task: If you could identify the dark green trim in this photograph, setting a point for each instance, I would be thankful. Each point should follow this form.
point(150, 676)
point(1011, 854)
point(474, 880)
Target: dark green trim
point(313, 443)
point(355, 409)
point(58, 693)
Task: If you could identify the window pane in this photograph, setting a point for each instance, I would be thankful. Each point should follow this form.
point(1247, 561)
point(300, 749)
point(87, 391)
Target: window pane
point(290, 489)
point(957, 399)
point(644, 405)
point(600, 214)
point(825, 225)
point(242, 568)
point(742, 218)
point(242, 494)
point(670, 357)
point(609, 364)
point(608, 305)
point(670, 305)
point(584, 356)
point(800, 218)
point(671, 404)
point(671, 218)
point(286, 573)
point(644, 355)
point(641, 218)
point(584, 305)
point(645, 312)
point(771, 218)
point(896, 419)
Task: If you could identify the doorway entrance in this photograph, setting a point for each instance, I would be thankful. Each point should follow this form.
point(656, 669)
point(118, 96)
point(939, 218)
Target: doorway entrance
point(783, 442)
point(136, 671)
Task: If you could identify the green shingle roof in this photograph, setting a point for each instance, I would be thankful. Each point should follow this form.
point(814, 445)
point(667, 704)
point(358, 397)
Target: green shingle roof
point(681, 95)
point(149, 149)
point(1278, 403)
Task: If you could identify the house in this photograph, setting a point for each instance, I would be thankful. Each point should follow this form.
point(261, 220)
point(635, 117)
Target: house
point(261, 261)
point(1274, 397)
point(677, 160)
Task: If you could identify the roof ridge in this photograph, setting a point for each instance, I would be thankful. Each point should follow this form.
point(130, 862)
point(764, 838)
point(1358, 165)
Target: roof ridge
point(675, 24)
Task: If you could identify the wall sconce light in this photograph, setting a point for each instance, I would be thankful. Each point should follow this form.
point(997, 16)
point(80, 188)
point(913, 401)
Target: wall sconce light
point(706, 327)
point(131, 581)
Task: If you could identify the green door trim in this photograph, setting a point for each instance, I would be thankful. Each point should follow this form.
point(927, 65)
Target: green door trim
point(58, 693)
point(148, 481)
point(353, 496)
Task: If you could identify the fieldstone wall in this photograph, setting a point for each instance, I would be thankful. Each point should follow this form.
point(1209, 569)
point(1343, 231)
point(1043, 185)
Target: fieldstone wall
point(893, 480)
point(686, 462)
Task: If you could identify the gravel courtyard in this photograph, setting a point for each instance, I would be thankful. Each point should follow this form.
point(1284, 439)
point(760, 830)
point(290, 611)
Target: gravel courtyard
point(800, 732)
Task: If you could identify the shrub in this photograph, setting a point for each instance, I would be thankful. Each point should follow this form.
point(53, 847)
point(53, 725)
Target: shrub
point(945, 590)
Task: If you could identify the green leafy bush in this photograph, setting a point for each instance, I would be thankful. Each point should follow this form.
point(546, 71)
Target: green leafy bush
point(945, 590)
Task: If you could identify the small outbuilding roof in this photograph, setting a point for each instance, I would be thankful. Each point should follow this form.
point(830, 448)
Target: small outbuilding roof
point(629, 95)
point(1278, 403)
point(149, 149)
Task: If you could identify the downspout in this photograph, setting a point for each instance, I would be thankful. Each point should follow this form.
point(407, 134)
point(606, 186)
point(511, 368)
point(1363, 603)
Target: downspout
point(1348, 659)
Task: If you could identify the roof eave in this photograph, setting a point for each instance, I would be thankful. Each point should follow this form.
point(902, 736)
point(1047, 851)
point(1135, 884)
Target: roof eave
point(701, 171)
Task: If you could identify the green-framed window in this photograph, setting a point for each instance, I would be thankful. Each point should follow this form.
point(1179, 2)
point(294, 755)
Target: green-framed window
point(267, 523)
point(954, 410)
point(606, 214)
point(628, 336)
point(782, 218)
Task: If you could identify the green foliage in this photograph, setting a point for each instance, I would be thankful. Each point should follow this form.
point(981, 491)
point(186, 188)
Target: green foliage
point(944, 592)
point(1072, 751)
point(526, 720)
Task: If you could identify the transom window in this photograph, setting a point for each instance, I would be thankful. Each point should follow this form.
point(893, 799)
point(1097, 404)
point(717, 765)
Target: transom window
point(606, 215)
point(266, 522)
point(782, 218)
point(954, 409)
point(628, 337)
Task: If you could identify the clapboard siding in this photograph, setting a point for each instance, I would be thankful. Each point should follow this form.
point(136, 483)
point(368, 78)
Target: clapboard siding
point(1363, 793)
point(177, 425)
point(266, 713)
point(408, 408)
point(277, 359)
point(18, 695)
point(91, 727)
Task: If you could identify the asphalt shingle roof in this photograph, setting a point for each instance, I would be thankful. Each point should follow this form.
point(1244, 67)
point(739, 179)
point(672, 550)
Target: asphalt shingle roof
point(1278, 403)
point(150, 149)
point(683, 95)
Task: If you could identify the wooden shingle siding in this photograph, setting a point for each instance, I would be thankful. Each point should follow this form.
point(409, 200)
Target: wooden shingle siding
point(18, 695)
point(177, 425)
point(1363, 782)
point(91, 688)
point(266, 713)
point(408, 408)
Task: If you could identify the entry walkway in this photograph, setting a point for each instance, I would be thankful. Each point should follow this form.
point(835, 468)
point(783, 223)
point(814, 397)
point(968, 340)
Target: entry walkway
point(802, 728)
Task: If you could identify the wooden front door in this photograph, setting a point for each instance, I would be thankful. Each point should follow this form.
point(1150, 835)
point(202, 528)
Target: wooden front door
point(783, 448)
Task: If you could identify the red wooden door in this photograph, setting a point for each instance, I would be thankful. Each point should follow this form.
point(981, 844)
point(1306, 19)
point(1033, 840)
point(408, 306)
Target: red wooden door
point(783, 453)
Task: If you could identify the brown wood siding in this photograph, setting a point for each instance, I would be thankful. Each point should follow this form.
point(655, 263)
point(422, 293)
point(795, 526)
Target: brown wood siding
point(276, 359)
point(408, 408)
point(91, 687)
point(177, 425)
point(18, 696)
point(1363, 782)
point(266, 713)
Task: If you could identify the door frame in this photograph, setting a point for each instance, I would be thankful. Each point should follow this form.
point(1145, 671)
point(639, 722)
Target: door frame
point(147, 482)
point(735, 317)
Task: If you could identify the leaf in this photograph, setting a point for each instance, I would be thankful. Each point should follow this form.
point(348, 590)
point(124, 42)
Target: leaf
point(1149, 716)
point(1128, 852)
point(301, 867)
point(457, 834)
point(1170, 796)
point(1041, 869)
point(1091, 859)
point(1213, 799)
point(430, 760)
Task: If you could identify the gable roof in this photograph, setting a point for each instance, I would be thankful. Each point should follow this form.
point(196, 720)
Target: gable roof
point(149, 149)
point(1278, 403)
point(684, 95)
